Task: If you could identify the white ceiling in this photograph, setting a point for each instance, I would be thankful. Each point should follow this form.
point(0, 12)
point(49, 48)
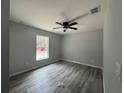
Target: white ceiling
point(44, 13)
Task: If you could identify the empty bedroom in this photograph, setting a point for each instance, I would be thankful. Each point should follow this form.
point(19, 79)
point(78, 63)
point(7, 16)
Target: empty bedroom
point(57, 46)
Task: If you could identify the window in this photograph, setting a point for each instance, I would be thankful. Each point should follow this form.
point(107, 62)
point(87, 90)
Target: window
point(42, 47)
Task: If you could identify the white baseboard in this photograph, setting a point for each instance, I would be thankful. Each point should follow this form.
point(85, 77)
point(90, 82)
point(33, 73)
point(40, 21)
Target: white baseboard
point(82, 63)
point(103, 85)
point(20, 72)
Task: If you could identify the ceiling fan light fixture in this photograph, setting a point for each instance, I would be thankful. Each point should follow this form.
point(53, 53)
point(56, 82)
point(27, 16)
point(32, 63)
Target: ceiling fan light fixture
point(64, 30)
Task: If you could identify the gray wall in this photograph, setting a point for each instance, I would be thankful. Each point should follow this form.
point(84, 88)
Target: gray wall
point(112, 47)
point(85, 47)
point(23, 47)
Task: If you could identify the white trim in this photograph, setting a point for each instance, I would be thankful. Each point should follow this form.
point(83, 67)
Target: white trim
point(103, 84)
point(82, 63)
point(40, 59)
point(20, 72)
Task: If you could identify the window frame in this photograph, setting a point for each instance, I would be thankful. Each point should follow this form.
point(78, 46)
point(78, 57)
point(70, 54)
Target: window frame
point(36, 49)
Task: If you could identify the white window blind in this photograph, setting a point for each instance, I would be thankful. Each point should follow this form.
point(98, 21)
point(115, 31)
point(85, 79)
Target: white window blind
point(42, 47)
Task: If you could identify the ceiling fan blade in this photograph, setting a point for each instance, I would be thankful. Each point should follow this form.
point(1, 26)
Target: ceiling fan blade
point(59, 23)
point(78, 17)
point(57, 27)
point(72, 28)
point(73, 24)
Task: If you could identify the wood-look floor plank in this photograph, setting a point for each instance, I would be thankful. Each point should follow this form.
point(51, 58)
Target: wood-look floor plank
point(60, 77)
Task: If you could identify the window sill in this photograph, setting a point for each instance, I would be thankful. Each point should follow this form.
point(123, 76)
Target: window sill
point(42, 58)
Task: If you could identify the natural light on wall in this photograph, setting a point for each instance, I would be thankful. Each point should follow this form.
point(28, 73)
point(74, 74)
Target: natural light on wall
point(42, 47)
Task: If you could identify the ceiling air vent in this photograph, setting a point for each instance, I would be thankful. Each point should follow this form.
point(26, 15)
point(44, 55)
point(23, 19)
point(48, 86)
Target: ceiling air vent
point(95, 10)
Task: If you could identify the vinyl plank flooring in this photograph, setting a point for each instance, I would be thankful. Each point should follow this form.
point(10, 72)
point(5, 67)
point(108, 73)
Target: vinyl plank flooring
point(60, 77)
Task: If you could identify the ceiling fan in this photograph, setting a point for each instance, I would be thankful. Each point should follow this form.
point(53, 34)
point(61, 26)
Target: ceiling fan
point(68, 24)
